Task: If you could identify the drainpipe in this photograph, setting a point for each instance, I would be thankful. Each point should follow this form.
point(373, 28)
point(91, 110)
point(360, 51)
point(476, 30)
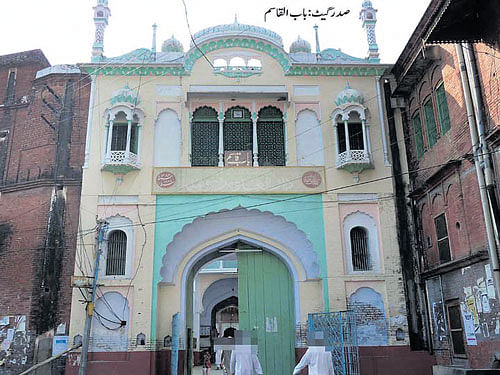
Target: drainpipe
point(477, 100)
point(492, 248)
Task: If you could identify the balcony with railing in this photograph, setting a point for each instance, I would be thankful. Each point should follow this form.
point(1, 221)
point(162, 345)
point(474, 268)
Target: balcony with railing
point(354, 160)
point(121, 162)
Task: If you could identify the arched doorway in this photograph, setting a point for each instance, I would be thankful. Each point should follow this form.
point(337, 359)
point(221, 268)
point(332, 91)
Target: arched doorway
point(265, 302)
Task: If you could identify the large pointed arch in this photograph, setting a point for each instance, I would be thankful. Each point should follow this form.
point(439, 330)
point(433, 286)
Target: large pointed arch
point(264, 224)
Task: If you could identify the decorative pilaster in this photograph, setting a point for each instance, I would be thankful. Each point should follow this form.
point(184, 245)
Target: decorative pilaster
point(347, 145)
point(255, 143)
point(337, 143)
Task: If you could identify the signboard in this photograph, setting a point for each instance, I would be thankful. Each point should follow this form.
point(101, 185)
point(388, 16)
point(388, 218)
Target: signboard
point(59, 344)
point(238, 158)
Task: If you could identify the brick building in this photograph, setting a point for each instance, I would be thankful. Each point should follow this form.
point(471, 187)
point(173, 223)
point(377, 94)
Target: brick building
point(42, 138)
point(449, 279)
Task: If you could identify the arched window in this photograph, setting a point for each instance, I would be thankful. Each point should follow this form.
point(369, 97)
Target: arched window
point(220, 63)
point(271, 137)
point(309, 139)
point(167, 141)
point(237, 62)
point(204, 137)
point(359, 249)
point(238, 133)
point(116, 256)
point(361, 241)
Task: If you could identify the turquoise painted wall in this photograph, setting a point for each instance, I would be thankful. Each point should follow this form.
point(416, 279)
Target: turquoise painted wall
point(175, 211)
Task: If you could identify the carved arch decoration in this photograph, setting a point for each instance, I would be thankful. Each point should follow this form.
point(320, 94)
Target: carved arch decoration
point(264, 223)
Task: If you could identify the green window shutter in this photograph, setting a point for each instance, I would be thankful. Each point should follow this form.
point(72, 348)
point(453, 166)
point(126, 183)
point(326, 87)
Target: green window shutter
point(430, 123)
point(419, 139)
point(444, 113)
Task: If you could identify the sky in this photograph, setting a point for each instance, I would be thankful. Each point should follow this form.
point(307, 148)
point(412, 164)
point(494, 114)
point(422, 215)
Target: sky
point(64, 29)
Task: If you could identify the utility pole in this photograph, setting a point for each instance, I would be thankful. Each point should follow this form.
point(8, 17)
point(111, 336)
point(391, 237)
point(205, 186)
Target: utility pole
point(101, 228)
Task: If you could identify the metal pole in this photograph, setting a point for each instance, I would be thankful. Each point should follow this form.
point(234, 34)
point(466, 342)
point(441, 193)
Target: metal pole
point(90, 306)
point(490, 234)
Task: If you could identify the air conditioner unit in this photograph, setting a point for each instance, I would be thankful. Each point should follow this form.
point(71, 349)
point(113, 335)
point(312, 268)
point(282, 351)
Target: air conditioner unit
point(398, 102)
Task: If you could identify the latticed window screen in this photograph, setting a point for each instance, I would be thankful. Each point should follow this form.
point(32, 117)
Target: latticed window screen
point(442, 105)
point(116, 256)
point(443, 242)
point(238, 132)
point(205, 137)
point(359, 250)
point(430, 123)
point(271, 137)
point(419, 138)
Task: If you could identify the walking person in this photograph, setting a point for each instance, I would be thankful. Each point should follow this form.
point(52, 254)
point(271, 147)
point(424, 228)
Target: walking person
point(318, 359)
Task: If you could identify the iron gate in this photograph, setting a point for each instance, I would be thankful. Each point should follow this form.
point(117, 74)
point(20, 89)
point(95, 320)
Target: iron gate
point(339, 330)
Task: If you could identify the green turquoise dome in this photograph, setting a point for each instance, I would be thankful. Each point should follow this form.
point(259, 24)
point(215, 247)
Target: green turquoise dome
point(172, 45)
point(300, 45)
point(349, 96)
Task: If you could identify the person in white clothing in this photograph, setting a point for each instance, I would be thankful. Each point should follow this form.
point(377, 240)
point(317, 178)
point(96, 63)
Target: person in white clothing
point(318, 359)
point(244, 361)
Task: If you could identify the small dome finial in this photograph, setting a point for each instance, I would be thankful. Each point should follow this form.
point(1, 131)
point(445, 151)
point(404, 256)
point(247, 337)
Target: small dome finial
point(235, 18)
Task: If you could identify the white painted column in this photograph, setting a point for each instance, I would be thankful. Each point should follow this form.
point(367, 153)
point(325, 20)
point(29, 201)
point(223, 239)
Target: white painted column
point(139, 141)
point(336, 135)
point(110, 136)
point(365, 141)
point(221, 136)
point(129, 133)
point(347, 145)
point(254, 137)
point(285, 130)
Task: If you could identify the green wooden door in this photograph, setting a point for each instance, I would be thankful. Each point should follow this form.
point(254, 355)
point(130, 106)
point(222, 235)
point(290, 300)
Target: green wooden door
point(265, 304)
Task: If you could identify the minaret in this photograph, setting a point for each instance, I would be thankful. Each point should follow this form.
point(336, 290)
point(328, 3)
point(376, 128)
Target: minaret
point(369, 17)
point(101, 16)
point(153, 48)
point(318, 50)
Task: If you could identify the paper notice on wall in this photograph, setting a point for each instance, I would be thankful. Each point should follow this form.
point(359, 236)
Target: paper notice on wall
point(489, 282)
point(4, 321)
point(59, 344)
point(486, 304)
point(470, 303)
point(469, 329)
point(467, 291)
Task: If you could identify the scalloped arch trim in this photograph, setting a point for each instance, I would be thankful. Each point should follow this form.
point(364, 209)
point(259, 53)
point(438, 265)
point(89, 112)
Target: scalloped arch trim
point(263, 223)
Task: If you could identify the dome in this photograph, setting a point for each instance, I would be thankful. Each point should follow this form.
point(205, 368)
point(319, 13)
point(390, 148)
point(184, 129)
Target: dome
point(172, 45)
point(300, 45)
point(348, 96)
point(367, 4)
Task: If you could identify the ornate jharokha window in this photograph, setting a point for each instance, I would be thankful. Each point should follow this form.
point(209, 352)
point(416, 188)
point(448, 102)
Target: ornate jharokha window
point(122, 141)
point(237, 137)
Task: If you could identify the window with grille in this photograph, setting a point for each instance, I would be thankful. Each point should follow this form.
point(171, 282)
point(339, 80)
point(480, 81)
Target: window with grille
point(205, 138)
point(442, 106)
point(443, 242)
point(419, 138)
point(271, 137)
point(355, 136)
point(359, 249)
point(116, 255)
point(456, 329)
point(430, 123)
point(238, 130)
